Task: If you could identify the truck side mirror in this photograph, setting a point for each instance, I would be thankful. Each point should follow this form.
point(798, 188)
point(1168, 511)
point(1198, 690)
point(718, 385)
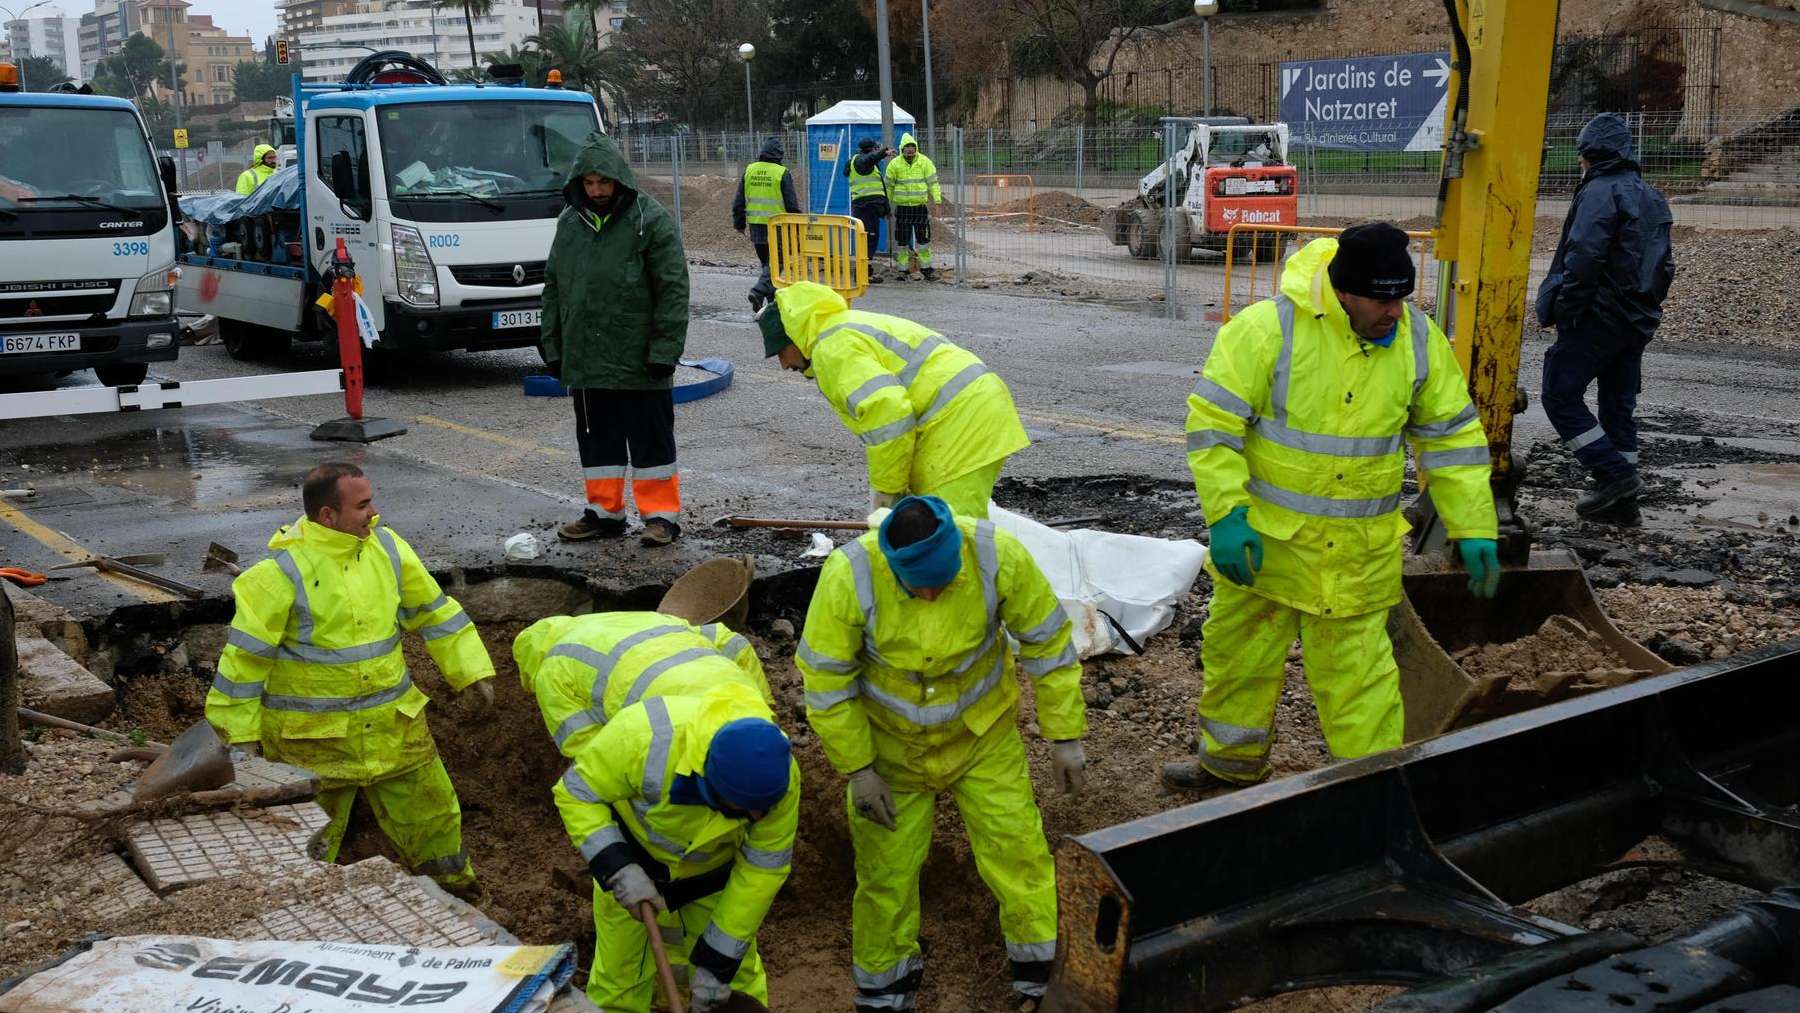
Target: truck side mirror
point(343, 184)
point(167, 166)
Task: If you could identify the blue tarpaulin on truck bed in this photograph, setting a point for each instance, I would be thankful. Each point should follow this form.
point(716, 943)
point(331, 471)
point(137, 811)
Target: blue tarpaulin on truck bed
point(281, 192)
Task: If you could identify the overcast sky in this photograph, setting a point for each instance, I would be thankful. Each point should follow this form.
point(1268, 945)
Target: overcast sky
point(255, 18)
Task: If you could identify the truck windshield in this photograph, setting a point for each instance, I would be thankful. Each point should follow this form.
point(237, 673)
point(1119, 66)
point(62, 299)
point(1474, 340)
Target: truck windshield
point(1244, 146)
point(485, 149)
point(63, 158)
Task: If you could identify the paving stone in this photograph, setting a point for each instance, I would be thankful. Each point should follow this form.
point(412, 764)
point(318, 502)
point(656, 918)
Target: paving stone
point(173, 853)
point(105, 887)
point(384, 913)
point(52, 682)
point(256, 772)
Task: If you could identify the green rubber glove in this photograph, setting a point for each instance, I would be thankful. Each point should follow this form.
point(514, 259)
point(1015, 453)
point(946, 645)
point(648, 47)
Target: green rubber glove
point(1481, 557)
point(1232, 538)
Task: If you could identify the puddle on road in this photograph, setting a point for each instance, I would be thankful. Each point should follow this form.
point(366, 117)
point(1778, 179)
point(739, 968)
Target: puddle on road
point(211, 469)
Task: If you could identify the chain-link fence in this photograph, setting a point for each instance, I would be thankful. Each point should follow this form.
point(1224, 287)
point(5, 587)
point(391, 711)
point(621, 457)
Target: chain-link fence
point(1043, 209)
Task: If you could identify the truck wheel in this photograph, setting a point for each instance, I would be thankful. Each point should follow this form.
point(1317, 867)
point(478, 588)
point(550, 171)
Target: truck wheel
point(122, 374)
point(249, 343)
point(1142, 238)
point(1184, 237)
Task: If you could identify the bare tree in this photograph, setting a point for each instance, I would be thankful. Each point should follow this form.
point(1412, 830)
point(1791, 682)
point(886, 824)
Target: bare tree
point(1080, 40)
point(683, 52)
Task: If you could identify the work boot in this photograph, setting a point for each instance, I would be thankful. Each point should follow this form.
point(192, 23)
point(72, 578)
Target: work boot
point(591, 525)
point(1610, 493)
point(931, 274)
point(659, 532)
point(756, 303)
point(1189, 775)
point(912, 271)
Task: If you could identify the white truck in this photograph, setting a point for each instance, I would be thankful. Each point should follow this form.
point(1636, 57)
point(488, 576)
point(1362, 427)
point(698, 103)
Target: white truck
point(446, 197)
point(87, 238)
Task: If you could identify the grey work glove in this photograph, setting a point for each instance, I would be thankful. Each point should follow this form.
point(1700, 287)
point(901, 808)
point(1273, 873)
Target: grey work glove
point(872, 799)
point(1068, 765)
point(879, 499)
point(707, 993)
point(632, 886)
point(478, 700)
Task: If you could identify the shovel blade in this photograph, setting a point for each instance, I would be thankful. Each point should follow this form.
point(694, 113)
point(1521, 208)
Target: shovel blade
point(196, 761)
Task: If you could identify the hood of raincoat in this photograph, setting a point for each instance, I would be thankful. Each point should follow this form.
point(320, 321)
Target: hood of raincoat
point(601, 154)
point(1304, 280)
point(1606, 139)
point(771, 151)
point(905, 139)
point(257, 153)
point(319, 538)
point(535, 641)
point(805, 306)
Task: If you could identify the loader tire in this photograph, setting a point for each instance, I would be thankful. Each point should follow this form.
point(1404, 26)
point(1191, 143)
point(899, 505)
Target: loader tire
point(1143, 239)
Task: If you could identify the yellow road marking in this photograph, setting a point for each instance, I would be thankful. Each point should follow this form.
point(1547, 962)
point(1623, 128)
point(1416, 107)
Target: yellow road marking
point(500, 438)
point(1120, 431)
point(67, 547)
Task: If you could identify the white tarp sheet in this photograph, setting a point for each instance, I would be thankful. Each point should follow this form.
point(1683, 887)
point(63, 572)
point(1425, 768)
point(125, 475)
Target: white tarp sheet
point(1134, 579)
point(140, 974)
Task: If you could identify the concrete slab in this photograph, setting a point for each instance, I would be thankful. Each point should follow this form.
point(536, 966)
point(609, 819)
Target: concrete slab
point(49, 620)
point(399, 911)
point(105, 887)
point(257, 772)
point(52, 682)
point(173, 853)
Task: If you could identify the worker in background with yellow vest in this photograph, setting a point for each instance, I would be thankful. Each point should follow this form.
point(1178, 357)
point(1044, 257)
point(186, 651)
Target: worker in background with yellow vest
point(932, 418)
point(261, 167)
point(765, 191)
point(312, 671)
point(912, 183)
point(1296, 436)
point(868, 190)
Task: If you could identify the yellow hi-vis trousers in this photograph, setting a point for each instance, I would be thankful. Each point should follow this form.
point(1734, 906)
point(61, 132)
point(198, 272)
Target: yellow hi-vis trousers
point(1349, 667)
point(969, 495)
point(623, 978)
point(1006, 834)
point(418, 812)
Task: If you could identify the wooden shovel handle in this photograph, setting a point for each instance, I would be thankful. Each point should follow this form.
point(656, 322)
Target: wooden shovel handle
point(798, 524)
point(646, 913)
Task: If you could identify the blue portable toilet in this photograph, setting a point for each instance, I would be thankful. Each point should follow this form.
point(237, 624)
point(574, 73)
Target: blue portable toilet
point(831, 138)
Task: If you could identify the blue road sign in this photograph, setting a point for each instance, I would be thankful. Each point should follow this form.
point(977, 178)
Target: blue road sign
point(1367, 103)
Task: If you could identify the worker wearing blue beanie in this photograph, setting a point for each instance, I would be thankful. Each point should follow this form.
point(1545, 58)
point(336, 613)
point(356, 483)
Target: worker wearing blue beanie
point(686, 804)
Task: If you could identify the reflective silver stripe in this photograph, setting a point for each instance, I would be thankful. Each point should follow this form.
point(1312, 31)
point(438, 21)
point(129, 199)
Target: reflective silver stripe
point(1630, 456)
point(600, 840)
point(1219, 397)
point(655, 670)
point(1421, 342)
point(312, 655)
point(431, 606)
point(824, 700)
point(251, 644)
point(952, 387)
point(935, 714)
point(603, 472)
point(1323, 443)
point(449, 865)
point(576, 722)
point(915, 361)
point(1448, 427)
point(822, 662)
point(877, 980)
point(1031, 952)
point(393, 554)
point(1433, 459)
point(1031, 989)
point(577, 786)
point(1230, 765)
point(968, 660)
point(1577, 442)
point(863, 576)
point(649, 474)
point(1037, 668)
point(1206, 439)
point(1043, 631)
point(896, 1001)
point(724, 942)
point(764, 859)
point(869, 387)
point(735, 647)
point(439, 630)
point(987, 556)
point(662, 734)
point(656, 837)
point(603, 664)
point(1227, 734)
point(237, 690)
point(1284, 363)
point(332, 704)
point(303, 617)
point(1324, 506)
point(881, 434)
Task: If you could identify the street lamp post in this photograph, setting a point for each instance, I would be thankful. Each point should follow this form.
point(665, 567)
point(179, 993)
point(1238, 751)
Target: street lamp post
point(1204, 10)
point(930, 106)
point(746, 53)
point(885, 74)
point(10, 18)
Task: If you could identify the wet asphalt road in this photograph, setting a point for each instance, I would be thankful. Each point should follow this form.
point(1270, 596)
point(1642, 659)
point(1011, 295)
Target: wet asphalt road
point(1101, 390)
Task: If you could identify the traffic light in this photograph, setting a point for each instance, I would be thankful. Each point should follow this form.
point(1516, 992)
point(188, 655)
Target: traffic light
point(281, 52)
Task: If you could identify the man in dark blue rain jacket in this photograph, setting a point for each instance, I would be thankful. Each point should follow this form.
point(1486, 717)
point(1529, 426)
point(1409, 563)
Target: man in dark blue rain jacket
point(1604, 296)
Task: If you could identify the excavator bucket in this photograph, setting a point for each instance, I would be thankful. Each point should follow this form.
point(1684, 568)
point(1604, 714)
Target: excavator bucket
point(1438, 618)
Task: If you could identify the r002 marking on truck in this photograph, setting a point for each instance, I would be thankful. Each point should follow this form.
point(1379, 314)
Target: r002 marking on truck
point(447, 240)
point(131, 249)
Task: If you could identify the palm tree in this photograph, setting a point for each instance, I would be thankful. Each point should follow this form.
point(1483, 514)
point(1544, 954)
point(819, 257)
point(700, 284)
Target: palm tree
point(470, 9)
point(571, 49)
point(530, 59)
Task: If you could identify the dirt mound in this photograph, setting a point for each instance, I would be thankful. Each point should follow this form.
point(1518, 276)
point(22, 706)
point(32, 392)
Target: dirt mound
point(1562, 659)
point(1053, 204)
point(1726, 291)
point(706, 231)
